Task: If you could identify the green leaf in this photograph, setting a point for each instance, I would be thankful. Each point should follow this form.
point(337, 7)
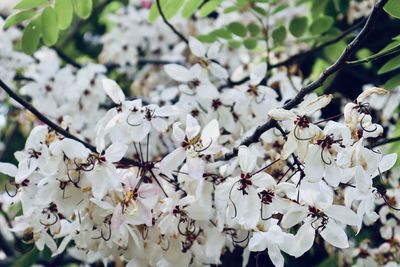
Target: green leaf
point(28, 4)
point(190, 7)
point(319, 66)
point(209, 7)
point(222, 33)
point(321, 25)
point(318, 7)
point(27, 259)
point(18, 18)
point(154, 12)
point(364, 53)
point(280, 8)
point(83, 8)
point(393, 8)
point(298, 26)
point(333, 51)
point(172, 8)
point(259, 10)
point(250, 43)
point(392, 64)
point(49, 26)
point(206, 38)
point(254, 29)
point(237, 29)
point(279, 35)
point(341, 5)
point(234, 44)
point(65, 13)
point(230, 9)
point(31, 36)
point(392, 83)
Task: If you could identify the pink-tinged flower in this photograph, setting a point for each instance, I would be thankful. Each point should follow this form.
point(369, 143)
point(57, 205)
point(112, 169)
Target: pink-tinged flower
point(146, 4)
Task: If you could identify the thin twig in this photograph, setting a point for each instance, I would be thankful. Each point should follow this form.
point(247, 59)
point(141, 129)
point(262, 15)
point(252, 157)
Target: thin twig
point(340, 63)
point(52, 125)
point(379, 55)
point(180, 35)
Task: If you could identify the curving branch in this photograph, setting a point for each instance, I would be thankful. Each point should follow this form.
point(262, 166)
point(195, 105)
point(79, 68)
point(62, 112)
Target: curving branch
point(339, 64)
point(299, 56)
point(53, 125)
point(180, 35)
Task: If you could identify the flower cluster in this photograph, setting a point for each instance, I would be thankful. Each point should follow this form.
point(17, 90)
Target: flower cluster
point(157, 189)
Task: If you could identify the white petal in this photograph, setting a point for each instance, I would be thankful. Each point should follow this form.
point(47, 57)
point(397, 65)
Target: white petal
point(210, 132)
point(370, 91)
point(177, 133)
point(281, 114)
point(275, 255)
point(342, 214)
point(73, 149)
point(63, 245)
point(167, 111)
point(301, 243)
point(258, 242)
point(335, 235)
point(113, 90)
point(293, 216)
point(195, 167)
point(196, 47)
point(213, 50)
point(317, 104)
point(172, 161)
point(218, 71)
point(247, 160)
point(8, 169)
point(258, 74)
point(116, 152)
point(178, 72)
point(290, 146)
point(387, 162)
point(159, 124)
point(192, 127)
point(263, 180)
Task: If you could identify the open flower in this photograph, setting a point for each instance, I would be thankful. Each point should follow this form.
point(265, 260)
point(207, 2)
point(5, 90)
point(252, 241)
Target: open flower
point(193, 146)
point(245, 204)
point(274, 240)
point(320, 161)
point(299, 124)
point(358, 118)
point(318, 216)
point(206, 59)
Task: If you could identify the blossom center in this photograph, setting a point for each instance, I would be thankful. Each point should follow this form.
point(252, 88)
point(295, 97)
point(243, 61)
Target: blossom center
point(266, 196)
point(302, 121)
point(245, 181)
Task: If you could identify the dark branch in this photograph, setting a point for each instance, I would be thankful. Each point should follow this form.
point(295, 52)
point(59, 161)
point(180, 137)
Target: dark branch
point(299, 56)
point(340, 63)
point(66, 58)
point(317, 48)
point(52, 125)
point(385, 142)
point(180, 35)
point(6, 247)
